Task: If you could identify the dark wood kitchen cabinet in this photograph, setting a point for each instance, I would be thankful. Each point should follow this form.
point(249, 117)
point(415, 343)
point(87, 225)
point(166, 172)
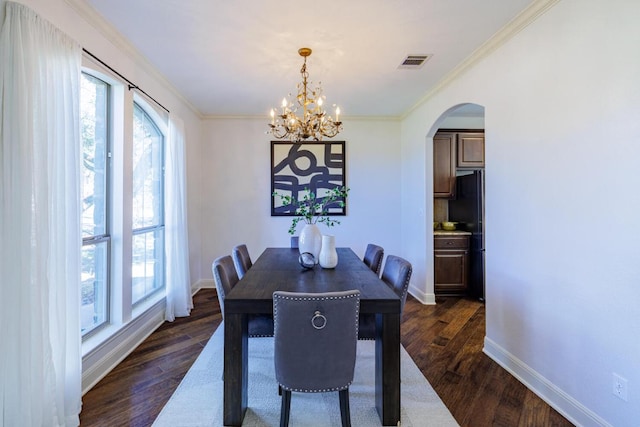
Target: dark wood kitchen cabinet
point(451, 264)
point(454, 149)
point(444, 165)
point(470, 150)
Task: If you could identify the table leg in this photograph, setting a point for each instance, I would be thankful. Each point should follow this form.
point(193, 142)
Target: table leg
point(236, 357)
point(388, 368)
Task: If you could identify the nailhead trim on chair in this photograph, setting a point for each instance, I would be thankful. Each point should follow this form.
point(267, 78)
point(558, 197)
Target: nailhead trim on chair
point(405, 288)
point(322, 390)
point(316, 298)
point(275, 308)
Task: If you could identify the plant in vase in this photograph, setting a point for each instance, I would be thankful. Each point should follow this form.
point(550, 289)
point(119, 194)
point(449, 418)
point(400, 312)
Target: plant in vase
point(312, 210)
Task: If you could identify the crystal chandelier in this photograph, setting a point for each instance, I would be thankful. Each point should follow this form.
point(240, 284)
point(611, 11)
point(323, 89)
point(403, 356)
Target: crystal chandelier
point(314, 123)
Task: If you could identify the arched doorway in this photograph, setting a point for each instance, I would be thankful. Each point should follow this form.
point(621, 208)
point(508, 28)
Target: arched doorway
point(458, 204)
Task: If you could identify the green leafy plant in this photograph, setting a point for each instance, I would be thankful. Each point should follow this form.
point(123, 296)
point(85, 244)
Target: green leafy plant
point(312, 210)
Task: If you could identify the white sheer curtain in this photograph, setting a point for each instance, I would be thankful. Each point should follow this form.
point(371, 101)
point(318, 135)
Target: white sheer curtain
point(40, 360)
point(179, 301)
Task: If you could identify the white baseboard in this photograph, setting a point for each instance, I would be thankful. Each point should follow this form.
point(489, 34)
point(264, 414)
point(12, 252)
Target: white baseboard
point(97, 363)
point(203, 284)
point(566, 405)
point(101, 360)
point(424, 298)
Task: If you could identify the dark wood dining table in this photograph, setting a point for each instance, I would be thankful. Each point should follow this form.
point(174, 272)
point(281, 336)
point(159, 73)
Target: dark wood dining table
point(278, 269)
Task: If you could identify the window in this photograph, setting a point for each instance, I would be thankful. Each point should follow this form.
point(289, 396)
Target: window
point(122, 190)
point(148, 207)
point(95, 262)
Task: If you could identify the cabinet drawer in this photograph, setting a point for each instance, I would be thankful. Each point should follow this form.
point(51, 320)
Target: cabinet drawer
point(451, 242)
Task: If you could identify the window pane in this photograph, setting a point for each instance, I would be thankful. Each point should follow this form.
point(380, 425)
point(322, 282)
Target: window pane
point(94, 125)
point(147, 171)
point(148, 209)
point(148, 264)
point(93, 121)
point(94, 276)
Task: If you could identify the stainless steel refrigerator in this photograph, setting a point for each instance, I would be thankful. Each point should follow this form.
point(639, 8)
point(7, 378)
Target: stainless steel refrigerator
point(468, 210)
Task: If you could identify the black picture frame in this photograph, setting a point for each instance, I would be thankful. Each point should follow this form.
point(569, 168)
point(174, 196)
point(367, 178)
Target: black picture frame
point(318, 166)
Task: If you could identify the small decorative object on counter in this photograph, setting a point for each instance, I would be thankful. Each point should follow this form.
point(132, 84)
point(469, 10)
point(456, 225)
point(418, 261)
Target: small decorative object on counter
point(449, 226)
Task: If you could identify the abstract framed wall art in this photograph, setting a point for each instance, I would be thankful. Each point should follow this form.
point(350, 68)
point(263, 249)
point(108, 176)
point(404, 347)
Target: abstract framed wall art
point(298, 167)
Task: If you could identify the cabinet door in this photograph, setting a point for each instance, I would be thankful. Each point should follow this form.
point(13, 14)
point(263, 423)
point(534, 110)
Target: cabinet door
point(451, 269)
point(451, 264)
point(470, 150)
point(444, 165)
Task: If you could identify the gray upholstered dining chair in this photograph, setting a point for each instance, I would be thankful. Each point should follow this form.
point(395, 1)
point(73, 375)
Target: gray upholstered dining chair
point(226, 277)
point(315, 338)
point(241, 259)
point(373, 257)
point(396, 274)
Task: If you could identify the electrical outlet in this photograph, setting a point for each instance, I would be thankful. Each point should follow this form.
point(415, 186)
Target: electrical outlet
point(620, 387)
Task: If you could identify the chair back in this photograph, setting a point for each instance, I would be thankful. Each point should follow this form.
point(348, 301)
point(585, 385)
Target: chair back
point(315, 336)
point(373, 257)
point(396, 274)
point(225, 276)
point(241, 259)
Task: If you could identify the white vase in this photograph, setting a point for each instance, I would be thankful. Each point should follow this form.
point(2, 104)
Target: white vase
point(328, 253)
point(310, 240)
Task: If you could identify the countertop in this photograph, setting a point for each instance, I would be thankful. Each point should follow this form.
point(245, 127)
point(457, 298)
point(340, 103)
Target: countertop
point(451, 233)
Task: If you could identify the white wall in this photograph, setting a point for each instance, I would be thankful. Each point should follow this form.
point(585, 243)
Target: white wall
point(562, 146)
point(236, 188)
point(462, 122)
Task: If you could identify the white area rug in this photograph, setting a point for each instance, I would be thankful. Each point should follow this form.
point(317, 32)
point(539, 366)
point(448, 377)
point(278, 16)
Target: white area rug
point(197, 402)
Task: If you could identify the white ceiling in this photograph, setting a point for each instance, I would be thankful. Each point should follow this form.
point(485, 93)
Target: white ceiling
point(241, 57)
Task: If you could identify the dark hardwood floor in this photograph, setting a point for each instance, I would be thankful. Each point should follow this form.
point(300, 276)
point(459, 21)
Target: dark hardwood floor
point(445, 341)
point(135, 391)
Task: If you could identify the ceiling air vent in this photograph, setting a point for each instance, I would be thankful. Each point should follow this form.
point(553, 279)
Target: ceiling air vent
point(414, 62)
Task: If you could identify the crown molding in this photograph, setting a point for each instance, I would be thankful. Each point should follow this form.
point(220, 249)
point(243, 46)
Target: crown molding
point(95, 20)
point(506, 33)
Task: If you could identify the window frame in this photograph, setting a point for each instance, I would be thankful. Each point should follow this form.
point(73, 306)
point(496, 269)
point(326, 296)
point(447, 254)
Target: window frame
point(106, 236)
point(153, 119)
